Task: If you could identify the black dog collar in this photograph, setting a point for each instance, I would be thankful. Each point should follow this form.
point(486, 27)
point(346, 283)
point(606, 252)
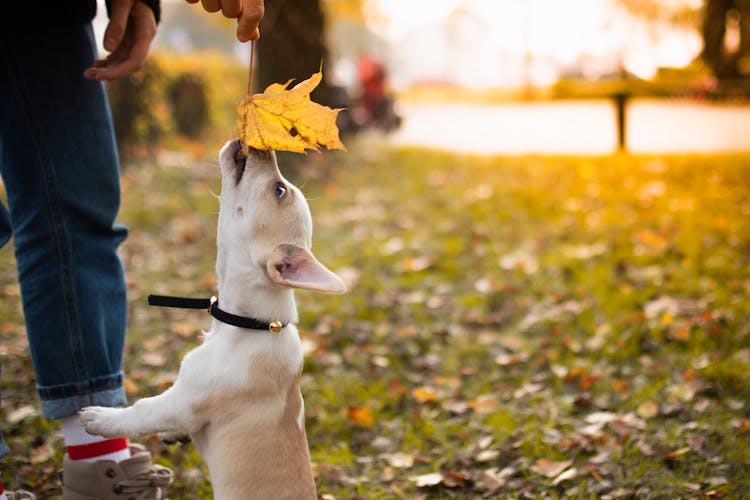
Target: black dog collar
point(212, 306)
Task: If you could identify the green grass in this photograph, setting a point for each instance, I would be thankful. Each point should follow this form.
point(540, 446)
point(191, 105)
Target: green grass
point(503, 311)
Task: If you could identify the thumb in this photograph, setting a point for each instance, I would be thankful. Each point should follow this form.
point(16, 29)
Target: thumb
point(250, 16)
point(119, 13)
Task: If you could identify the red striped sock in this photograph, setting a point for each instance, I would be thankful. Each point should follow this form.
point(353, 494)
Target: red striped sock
point(81, 445)
point(98, 450)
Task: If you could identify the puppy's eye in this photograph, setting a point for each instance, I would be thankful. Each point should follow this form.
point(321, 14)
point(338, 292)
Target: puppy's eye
point(279, 190)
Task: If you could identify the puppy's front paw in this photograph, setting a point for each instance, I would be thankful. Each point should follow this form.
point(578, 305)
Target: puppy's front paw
point(102, 421)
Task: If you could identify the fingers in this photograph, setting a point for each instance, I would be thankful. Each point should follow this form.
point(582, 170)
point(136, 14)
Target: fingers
point(113, 67)
point(247, 12)
point(231, 8)
point(211, 5)
point(123, 65)
point(242, 36)
point(247, 23)
point(118, 22)
point(130, 54)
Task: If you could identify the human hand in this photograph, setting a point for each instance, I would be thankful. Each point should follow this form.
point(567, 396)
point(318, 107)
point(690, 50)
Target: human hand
point(131, 28)
point(247, 12)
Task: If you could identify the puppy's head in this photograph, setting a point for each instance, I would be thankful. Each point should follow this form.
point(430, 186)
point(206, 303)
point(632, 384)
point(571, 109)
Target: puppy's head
point(265, 222)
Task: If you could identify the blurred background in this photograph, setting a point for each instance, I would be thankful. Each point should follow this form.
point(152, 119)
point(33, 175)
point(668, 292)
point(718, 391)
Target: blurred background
point(586, 76)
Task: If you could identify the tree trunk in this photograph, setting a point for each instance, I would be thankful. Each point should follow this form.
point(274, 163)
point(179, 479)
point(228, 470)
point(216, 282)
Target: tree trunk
point(726, 66)
point(714, 29)
point(742, 60)
point(292, 45)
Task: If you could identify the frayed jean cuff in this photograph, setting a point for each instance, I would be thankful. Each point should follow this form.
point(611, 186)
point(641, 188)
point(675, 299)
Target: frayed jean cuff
point(61, 407)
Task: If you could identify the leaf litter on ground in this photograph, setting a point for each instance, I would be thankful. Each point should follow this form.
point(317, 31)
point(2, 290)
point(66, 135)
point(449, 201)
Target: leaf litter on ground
point(519, 327)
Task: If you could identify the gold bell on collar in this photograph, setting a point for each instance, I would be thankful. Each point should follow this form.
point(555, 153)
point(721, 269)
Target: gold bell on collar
point(275, 326)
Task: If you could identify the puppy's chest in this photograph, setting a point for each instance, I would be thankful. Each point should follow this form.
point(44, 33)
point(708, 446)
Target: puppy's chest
point(249, 360)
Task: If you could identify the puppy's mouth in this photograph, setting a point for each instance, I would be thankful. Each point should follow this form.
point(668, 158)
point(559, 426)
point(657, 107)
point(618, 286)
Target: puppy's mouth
point(239, 162)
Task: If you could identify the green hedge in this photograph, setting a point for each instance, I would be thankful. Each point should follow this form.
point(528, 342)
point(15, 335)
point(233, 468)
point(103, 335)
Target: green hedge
point(176, 98)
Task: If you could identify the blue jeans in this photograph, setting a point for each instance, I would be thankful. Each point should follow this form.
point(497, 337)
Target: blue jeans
point(60, 167)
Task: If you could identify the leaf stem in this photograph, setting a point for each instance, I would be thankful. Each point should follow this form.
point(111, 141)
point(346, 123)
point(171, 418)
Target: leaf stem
point(250, 70)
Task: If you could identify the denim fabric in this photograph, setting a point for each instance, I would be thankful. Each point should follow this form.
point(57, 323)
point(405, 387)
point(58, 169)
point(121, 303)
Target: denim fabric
point(59, 163)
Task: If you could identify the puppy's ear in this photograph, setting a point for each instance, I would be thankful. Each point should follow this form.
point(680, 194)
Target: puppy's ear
point(294, 266)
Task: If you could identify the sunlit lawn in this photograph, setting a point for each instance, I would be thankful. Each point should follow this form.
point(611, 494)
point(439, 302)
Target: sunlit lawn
point(516, 327)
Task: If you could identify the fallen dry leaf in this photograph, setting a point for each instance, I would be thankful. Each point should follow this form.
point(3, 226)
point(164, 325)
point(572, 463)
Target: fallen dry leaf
point(677, 455)
point(416, 264)
point(743, 426)
point(155, 359)
point(387, 475)
point(566, 475)
point(509, 360)
point(486, 455)
point(456, 406)
point(396, 389)
point(286, 119)
point(485, 403)
point(20, 414)
point(649, 409)
point(455, 479)
point(332, 472)
point(549, 468)
point(712, 494)
point(41, 453)
point(621, 386)
point(361, 416)
point(185, 328)
point(130, 387)
point(493, 480)
point(424, 394)
point(427, 480)
point(400, 460)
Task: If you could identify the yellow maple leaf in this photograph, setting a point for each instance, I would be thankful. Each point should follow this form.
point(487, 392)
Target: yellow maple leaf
point(286, 119)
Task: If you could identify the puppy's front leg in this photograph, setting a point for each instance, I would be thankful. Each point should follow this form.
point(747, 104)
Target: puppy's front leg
point(168, 412)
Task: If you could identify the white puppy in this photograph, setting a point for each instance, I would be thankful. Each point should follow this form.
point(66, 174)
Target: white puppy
point(237, 394)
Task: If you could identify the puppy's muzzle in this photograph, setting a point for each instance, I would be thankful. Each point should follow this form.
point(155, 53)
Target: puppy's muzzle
point(238, 161)
point(238, 156)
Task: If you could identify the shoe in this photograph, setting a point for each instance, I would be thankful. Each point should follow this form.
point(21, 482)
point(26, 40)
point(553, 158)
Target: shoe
point(20, 495)
point(135, 478)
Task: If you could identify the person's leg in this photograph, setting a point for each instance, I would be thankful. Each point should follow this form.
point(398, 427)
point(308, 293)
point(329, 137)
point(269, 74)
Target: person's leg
point(59, 162)
point(5, 234)
point(60, 167)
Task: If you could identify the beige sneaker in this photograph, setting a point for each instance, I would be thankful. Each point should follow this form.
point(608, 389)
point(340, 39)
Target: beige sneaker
point(20, 495)
point(135, 478)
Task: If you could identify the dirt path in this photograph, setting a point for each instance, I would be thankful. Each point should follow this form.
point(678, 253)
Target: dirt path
point(575, 127)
